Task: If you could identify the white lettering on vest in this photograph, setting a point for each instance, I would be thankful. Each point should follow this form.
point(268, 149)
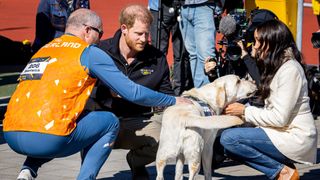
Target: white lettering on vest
point(64, 44)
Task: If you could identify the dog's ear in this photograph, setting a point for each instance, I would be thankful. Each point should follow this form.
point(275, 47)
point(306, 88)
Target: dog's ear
point(221, 96)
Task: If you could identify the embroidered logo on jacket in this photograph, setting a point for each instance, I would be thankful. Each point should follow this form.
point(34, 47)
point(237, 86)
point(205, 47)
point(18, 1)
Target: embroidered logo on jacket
point(146, 71)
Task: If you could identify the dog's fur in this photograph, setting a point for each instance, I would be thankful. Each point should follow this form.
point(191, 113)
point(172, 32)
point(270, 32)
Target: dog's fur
point(187, 135)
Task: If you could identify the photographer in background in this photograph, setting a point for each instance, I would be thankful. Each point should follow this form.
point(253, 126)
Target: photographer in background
point(165, 22)
point(237, 59)
point(198, 31)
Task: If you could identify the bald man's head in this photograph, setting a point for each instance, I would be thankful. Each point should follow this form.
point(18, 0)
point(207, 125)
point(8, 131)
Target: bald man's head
point(85, 24)
point(80, 17)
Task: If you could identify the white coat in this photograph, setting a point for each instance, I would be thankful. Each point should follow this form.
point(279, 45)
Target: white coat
point(286, 117)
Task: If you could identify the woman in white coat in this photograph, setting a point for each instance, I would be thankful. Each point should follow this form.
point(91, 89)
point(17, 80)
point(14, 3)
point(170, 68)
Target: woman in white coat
point(285, 131)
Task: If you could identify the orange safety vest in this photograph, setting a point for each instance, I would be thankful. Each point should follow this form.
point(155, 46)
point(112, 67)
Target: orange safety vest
point(53, 90)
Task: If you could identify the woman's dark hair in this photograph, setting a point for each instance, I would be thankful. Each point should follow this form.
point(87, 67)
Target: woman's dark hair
point(278, 45)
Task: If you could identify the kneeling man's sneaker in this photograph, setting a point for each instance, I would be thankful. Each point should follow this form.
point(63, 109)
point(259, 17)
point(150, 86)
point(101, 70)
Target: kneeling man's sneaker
point(25, 174)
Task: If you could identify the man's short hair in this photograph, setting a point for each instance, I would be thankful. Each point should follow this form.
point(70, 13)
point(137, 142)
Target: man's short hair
point(84, 16)
point(132, 13)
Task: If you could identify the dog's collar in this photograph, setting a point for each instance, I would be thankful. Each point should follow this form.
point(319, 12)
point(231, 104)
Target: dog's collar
point(206, 109)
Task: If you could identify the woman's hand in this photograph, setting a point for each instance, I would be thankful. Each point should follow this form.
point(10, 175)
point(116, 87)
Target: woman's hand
point(209, 65)
point(235, 109)
point(243, 49)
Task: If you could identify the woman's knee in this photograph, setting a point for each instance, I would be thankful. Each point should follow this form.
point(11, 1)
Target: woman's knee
point(228, 137)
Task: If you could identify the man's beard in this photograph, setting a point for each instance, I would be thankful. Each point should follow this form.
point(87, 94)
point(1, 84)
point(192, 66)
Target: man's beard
point(134, 46)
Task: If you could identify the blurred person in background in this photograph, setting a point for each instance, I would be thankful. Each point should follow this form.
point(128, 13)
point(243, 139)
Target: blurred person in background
point(165, 22)
point(198, 31)
point(51, 19)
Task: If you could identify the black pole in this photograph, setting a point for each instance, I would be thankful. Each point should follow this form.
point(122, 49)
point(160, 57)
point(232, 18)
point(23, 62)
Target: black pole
point(159, 24)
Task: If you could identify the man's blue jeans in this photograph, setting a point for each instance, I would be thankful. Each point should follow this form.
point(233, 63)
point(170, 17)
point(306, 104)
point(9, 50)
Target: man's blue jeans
point(95, 135)
point(199, 35)
point(253, 147)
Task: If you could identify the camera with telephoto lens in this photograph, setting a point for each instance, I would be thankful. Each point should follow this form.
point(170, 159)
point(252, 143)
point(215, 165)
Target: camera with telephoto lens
point(239, 15)
point(233, 27)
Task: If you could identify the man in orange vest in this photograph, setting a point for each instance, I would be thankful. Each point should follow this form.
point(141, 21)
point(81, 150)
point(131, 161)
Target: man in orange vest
point(45, 117)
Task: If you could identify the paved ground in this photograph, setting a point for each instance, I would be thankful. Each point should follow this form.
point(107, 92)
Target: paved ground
point(117, 168)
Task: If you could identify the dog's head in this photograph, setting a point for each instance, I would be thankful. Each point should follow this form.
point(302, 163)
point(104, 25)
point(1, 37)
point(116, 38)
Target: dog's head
point(228, 89)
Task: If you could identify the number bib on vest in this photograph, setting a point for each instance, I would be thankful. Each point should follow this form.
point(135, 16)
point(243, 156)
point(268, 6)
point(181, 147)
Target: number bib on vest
point(34, 69)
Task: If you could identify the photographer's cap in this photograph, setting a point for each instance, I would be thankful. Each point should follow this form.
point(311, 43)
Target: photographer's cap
point(258, 16)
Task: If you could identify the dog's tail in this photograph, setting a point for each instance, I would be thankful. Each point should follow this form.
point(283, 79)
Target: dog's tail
point(213, 122)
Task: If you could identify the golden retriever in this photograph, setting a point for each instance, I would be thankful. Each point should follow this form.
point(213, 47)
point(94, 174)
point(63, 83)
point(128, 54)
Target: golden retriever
point(187, 134)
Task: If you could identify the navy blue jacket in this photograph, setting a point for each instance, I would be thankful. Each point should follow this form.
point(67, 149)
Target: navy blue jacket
point(150, 69)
